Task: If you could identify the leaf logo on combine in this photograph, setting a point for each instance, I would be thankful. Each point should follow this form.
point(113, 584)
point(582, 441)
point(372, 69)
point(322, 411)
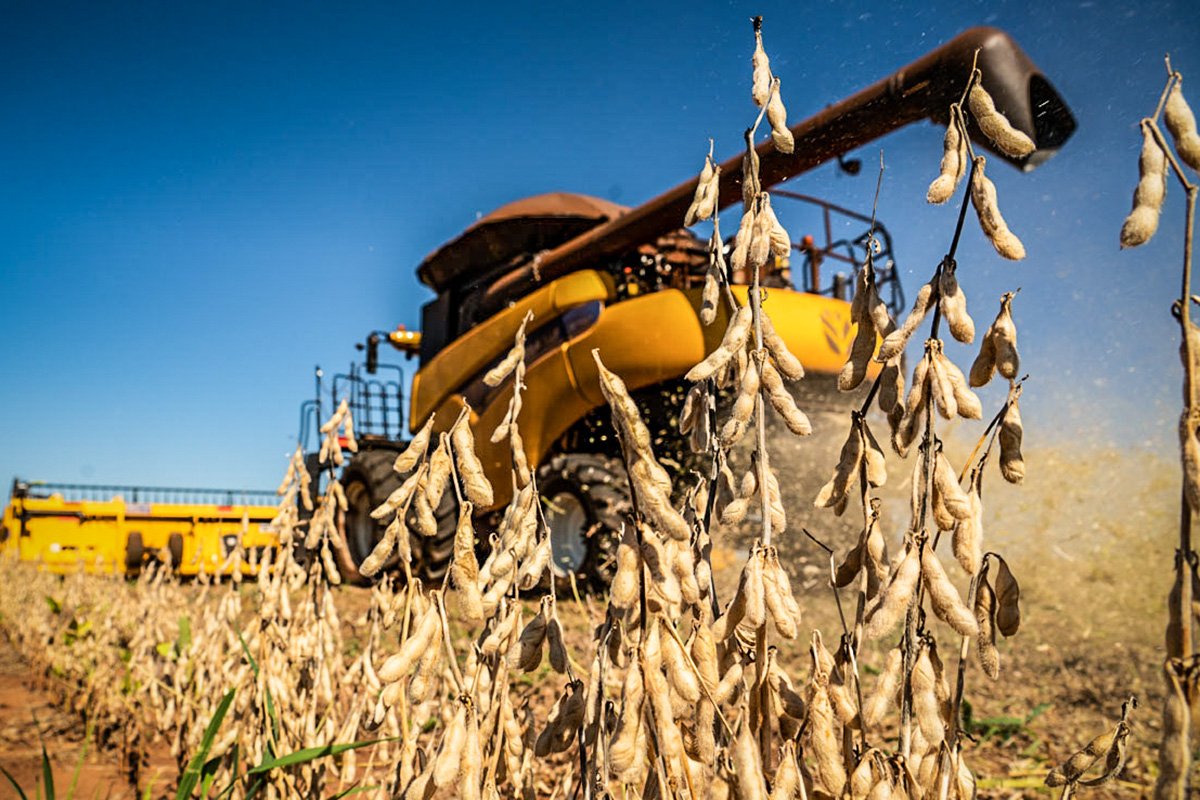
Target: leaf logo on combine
point(837, 330)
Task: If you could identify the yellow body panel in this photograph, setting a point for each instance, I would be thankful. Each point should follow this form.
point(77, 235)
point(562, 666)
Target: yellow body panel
point(646, 340)
point(68, 535)
point(488, 341)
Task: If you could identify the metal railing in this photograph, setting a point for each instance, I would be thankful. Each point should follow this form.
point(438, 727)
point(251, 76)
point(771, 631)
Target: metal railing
point(144, 494)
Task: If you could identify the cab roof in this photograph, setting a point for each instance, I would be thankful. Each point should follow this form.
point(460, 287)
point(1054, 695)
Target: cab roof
point(521, 228)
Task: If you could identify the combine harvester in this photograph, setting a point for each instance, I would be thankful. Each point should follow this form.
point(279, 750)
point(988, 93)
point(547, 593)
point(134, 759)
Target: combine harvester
point(66, 527)
point(627, 281)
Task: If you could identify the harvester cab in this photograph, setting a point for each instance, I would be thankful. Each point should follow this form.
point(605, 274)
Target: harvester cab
point(597, 275)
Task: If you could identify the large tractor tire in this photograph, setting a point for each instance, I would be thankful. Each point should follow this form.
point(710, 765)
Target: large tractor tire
point(367, 481)
point(586, 502)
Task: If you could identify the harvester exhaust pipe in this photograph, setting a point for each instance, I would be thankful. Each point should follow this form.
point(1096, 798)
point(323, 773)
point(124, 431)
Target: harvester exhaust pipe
point(922, 90)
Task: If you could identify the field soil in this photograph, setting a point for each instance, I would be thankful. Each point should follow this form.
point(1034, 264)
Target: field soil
point(31, 718)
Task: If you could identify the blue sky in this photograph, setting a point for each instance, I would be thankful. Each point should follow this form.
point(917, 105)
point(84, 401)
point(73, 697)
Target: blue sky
point(200, 202)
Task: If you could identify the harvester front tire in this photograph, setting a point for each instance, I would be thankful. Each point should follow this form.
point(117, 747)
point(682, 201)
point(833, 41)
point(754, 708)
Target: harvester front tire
point(368, 481)
point(586, 501)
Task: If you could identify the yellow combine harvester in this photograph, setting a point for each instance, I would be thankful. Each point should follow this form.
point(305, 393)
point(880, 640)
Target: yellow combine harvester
point(121, 529)
point(626, 281)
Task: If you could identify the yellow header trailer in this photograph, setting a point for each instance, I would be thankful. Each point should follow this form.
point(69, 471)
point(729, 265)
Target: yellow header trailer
point(120, 529)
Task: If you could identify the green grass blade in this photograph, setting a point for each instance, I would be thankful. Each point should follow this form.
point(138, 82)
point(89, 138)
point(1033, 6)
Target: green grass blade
point(148, 793)
point(16, 786)
point(47, 775)
point(87, 737)
point(191, 775)
point(255, 788)
point(311, 754)
point(246, 650)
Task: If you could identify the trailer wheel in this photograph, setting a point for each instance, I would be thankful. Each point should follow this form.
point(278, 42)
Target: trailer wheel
point(175, 547)
point(135, 553)
point(586, 502)
point(367, 481)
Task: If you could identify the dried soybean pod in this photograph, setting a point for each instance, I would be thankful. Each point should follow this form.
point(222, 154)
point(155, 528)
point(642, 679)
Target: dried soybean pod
point(966, 402)
point(710, 297)
point(1012, 464)
point(526, 652)
point(946, 482)
point(894, 343)
point(733, 342)
point(1149, 194)
point(496, 375)
point(777, 117)
point(926, 707)
point(983, 197)
point(876, 461)
point(760, 243)
point(416, 448)
point(750, 184)
point(968, 533)
point(850, 566)
point(861, 779)
point(876, 554)
point(953, 303)
point(1004, 337)
point(752, 589)
point(780, 602)
point(889, 607)
point(891, 385)
point(943, 390)
point(783, 402)
point(777, 235)
point(826, 749)
point(464, 568)
point(943, 597)
point(845, 472)
point(449, 757)
point(760, 88)
point(985, 618)
point(623, 593)
point(680, 676)
point(855, 368)
point(1073, 768)
point(402, 662)
point(954, 162)
point(440, 467)
point(787, 363)
point(787, 782)
point(700, 200)
point(475, 482)
point(1008, 597)
point(995, 126)
point(743, 407)
point(876, 706)
point(1181, 122)
point(984, 365)
point(558, 648)
point(775, 502)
